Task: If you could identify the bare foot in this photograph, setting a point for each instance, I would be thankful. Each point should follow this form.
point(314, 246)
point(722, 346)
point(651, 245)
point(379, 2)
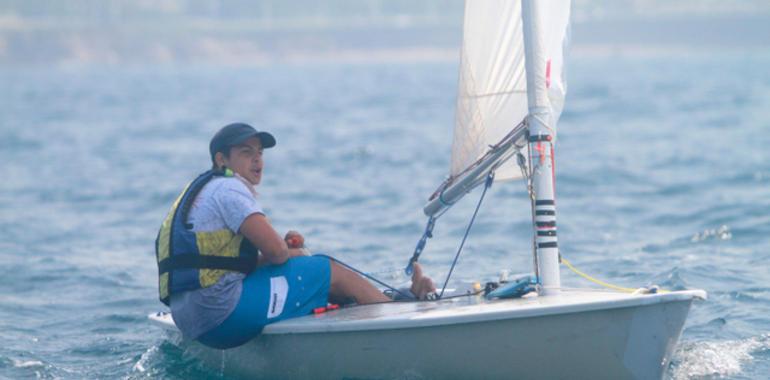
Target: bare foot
point(421, 285)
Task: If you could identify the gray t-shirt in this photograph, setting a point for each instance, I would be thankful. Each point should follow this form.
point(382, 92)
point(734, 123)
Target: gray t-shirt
point(225, 202)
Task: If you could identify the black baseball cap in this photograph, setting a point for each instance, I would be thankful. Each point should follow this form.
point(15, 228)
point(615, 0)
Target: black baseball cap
point(236, 133)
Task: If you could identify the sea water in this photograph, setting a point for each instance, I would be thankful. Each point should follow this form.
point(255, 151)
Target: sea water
point(663, 177)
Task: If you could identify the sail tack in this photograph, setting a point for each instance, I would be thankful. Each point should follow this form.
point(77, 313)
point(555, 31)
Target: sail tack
point(492, 89)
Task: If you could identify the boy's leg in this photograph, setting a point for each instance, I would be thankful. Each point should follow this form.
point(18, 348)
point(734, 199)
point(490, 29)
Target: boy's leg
point(346, 284)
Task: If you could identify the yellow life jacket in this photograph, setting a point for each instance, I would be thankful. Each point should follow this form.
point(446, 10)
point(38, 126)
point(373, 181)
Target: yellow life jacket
point(190, 260)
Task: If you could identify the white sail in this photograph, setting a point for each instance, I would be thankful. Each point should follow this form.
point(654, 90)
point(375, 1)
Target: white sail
point(492, 90)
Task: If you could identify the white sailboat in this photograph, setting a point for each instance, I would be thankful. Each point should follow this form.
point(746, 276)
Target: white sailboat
point(510, 96)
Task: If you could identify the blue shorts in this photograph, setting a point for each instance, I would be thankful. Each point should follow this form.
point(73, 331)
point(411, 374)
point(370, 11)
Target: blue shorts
point(270, 294)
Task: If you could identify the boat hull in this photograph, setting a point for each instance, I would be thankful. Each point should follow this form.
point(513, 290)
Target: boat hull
point(619, 341)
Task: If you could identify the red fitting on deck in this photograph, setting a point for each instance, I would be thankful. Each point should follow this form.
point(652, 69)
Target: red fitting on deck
point(323, 309)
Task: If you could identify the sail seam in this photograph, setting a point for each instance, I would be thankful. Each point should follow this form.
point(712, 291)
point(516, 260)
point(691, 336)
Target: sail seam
point(495, 94)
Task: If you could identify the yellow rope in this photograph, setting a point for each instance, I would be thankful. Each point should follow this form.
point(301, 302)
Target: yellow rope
point(589, 278)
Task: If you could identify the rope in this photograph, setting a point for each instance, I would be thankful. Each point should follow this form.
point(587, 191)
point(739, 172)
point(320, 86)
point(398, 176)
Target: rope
point(392, 271)
point(597, 281)
point(487, 185)
point(531, 192)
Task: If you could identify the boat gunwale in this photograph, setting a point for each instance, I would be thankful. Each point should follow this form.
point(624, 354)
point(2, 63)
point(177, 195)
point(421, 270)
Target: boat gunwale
point(450, 314)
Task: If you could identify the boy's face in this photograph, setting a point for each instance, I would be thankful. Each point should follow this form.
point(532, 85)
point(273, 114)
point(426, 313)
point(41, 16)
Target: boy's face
point(246, 160)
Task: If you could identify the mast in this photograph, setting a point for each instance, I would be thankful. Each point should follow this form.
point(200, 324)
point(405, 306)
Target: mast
point(541, 145)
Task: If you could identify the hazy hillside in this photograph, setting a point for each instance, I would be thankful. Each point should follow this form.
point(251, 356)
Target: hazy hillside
point(242, 31)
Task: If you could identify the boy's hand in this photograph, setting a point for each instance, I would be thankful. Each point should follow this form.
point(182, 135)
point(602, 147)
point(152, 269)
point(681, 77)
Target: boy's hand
point(294, 239)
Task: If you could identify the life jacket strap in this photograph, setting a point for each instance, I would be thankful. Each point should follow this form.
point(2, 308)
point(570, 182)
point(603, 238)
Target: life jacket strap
point(238, 264)
point(193, 192)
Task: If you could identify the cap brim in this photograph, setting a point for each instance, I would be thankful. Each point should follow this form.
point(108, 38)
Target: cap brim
point(267, 140)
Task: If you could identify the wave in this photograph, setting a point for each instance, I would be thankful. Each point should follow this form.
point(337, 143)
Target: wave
point(704, 359)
